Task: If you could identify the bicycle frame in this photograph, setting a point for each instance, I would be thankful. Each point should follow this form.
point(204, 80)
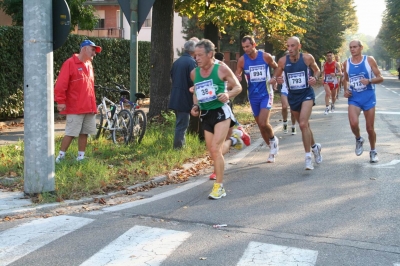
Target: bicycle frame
point(103, 104)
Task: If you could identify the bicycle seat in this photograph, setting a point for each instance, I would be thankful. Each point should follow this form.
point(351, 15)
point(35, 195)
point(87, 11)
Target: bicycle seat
point(140, 95)
point(124, 93)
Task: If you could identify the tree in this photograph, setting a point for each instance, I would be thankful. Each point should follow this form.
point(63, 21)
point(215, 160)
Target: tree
point(161, 56)
point(80, 14)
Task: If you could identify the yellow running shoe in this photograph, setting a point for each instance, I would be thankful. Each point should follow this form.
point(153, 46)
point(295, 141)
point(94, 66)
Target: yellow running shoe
point(239, 142)
point(217, 192)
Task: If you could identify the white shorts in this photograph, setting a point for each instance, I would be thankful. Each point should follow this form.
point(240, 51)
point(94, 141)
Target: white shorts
point(80, 124)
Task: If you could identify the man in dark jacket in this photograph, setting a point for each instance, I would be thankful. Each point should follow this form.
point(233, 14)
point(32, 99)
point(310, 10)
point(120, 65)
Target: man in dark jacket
point(181, 100)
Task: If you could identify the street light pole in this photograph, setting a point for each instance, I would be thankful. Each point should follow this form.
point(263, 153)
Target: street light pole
point(134, 49)
point(39, 168)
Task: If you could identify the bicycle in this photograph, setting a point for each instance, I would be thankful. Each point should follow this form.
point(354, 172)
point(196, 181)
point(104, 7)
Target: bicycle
point(116, 121)
point(139, 117)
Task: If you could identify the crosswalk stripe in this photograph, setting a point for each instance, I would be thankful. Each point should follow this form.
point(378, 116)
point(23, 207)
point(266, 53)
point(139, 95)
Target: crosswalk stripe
point(26, 238)
point(258, 253)
point(139, 246)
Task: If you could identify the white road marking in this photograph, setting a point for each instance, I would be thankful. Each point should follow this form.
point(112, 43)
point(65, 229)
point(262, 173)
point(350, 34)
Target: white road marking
point(266, 254)
point(396, 264)
point(345, 112)
point(26, 238)
point(385, 165)
point(139, 246)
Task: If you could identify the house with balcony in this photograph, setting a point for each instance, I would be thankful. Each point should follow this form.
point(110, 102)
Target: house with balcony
point(113, 24)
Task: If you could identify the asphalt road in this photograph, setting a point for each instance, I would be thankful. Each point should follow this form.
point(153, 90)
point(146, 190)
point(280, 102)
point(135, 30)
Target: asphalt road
point(344, 212)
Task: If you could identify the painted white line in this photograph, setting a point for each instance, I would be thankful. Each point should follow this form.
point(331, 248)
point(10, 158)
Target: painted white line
point(140, 246)
point(385, 165)
point(396, 264)
point(345, 112)
point(258, 254)
point(26, 238)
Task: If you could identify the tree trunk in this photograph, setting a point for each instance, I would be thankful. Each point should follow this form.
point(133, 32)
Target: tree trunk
point(161, 56)
point(211, 32)
point(242, 97)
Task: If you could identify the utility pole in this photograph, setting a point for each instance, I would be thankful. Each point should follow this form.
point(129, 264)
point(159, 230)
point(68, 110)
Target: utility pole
point(39, 168)
point(134, 49)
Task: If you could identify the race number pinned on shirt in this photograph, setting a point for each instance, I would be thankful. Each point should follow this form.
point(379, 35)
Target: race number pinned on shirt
point(205, 91)
point(257, 73)
point(297, 80)
point(355, 83)
point(329, 78)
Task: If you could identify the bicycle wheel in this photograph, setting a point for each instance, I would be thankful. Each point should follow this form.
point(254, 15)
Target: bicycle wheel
point(102, 125)
point(123, 124)
point(139, 125)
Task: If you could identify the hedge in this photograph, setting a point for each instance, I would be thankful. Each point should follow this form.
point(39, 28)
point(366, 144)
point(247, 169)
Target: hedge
point(111, 65)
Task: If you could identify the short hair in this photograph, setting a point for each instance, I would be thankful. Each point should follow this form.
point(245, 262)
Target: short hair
point(358, 42)
point(249, 38)
point(194, 39)
point(219, 56)
point(329, 52)
point(189, 46)
point(207, 45)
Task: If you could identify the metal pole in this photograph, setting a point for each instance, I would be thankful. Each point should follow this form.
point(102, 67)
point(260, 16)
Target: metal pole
point(134, 49)
point(38, 97)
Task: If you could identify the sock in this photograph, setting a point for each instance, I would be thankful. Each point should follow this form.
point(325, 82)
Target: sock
point(234, 141)
point(272, 139)
point(293, 126)
point(239, 132)
point(81, 154)
point(308, 154)
point(220, 184)
point(358, 139)
point(285, 122)
point(374, 150)
point(61, 154)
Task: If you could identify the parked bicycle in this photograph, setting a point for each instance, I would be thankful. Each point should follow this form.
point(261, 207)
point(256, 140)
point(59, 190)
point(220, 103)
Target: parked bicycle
point(115, 123)
point(139, 117)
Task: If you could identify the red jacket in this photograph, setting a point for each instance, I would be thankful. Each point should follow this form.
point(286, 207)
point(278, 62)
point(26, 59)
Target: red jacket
point(75, 87)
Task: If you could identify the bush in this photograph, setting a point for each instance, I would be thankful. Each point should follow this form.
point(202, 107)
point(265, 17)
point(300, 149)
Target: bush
point(111, 65)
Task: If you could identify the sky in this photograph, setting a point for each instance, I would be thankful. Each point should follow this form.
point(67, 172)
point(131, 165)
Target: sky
point(369, 13)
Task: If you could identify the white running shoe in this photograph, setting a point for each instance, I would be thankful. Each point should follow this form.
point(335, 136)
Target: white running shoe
point(326, 110)
point(317, 153)
point(294, 130)
point(373, 157)
point(274, 146)
point(332, 108)
point(271, 158)
point(359, 146)
point(309, 164)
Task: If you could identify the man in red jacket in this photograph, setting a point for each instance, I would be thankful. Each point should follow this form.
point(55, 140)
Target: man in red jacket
point(75, 97)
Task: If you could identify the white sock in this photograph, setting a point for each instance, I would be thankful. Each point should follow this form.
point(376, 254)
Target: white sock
point(81, 154)
point(234, 141)
point(61, 154)
point(308, 154)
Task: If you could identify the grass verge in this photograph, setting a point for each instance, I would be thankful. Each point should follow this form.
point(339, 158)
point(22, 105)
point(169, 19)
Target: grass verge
point(110, 167)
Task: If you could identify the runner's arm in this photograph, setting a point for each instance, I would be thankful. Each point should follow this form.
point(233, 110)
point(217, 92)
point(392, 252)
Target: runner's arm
point(239, 68)
point(378, 76)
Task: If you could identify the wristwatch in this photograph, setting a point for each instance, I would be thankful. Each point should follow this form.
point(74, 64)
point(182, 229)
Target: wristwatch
point(370, 81)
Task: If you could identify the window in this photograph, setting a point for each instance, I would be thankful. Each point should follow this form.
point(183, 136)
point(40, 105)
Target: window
point(147, 22)
point(118, 18)
point(101, 15)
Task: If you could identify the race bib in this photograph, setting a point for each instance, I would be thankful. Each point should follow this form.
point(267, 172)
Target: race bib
point(205, 91)
point(329, 78)
point(355, 83)
point(297, 80)
point(257, 73)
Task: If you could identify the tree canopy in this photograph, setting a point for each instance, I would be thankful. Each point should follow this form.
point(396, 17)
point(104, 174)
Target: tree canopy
point(80, 14)
point(389, 33)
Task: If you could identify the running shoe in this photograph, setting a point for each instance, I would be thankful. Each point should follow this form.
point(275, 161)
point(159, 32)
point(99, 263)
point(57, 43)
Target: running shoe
point(309, 164)
point(217, 192)
point(332, 108)
point(274, 145)
point(359, 146)
point(317, 153)
point(373, 157)
point(59, 159)
point(245, 137)
point(239, 142)
point(285, 128)
point(271, 158)
point(294, 130)
point(326, 110)
point(213, 176)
